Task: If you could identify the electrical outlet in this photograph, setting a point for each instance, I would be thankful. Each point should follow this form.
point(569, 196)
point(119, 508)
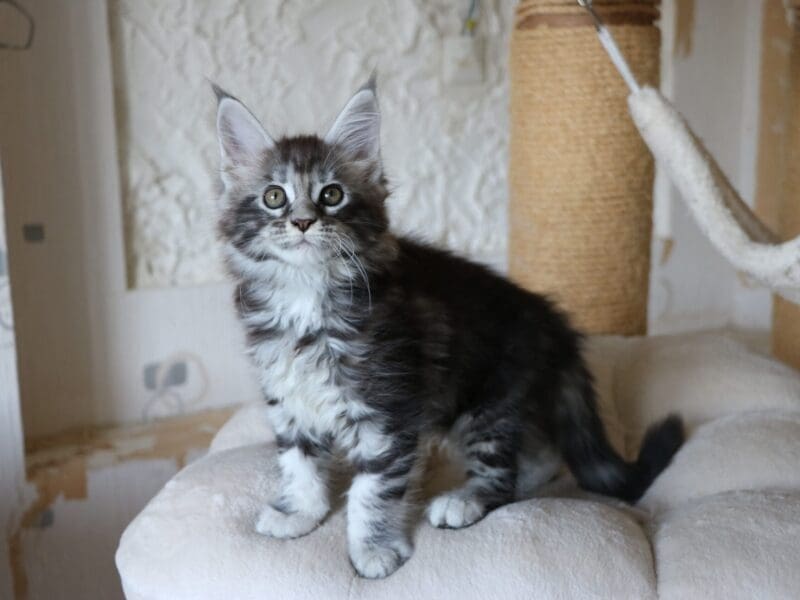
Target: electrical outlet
point(176, 375)
point(33, 232)
point(462, 60)
point(46, 518)
point(174, 385)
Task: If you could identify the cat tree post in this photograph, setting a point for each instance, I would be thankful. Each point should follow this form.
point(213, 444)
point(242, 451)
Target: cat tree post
point(581, 177)
point(786, 314)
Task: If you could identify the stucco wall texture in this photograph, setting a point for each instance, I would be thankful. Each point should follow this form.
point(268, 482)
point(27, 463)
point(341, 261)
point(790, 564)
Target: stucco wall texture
point(295, 64)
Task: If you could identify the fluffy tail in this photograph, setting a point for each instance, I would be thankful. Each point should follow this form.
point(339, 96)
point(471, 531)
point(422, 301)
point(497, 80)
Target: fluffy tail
point(589, 455)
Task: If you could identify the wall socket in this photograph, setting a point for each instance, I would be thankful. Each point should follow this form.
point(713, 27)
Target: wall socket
point(176, 375)
point(33, 232)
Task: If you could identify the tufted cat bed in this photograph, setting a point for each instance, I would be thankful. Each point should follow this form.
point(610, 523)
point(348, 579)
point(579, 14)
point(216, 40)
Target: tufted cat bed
point(723, 521)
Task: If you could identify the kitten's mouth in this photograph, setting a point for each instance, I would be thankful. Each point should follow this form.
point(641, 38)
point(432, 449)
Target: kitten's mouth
point(302, 244)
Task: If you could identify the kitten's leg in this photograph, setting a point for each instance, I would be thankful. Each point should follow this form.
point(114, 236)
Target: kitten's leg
point(537, 463)
point(490, 455)
point(378, 510)
point(303, 499)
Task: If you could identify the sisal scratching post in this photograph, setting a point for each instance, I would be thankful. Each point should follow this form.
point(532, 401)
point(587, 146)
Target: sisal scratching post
point(581, 177)
point(786, 314)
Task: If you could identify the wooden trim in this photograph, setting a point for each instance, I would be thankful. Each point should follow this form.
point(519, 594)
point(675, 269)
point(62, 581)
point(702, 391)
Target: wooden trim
point(775, 112)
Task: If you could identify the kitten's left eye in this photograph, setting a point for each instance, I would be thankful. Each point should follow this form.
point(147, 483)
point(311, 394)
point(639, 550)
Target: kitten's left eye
point(331, 195)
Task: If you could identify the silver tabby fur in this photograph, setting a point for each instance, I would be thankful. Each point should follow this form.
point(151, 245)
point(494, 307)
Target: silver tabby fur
point(366, 344)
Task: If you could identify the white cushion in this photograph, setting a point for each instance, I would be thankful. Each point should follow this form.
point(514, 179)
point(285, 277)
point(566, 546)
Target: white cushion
point(248, 425)
point(746, 451)
point(196, 539)
point(701, 376)
point(735, 545)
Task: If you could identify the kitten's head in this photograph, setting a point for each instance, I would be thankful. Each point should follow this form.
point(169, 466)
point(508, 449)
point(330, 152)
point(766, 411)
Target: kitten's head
point(305, 201)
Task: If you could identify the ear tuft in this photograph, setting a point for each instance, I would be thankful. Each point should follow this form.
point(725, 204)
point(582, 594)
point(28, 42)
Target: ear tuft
point(357, 128)
point(219, 92)
point(372, 83)
point(242, 139)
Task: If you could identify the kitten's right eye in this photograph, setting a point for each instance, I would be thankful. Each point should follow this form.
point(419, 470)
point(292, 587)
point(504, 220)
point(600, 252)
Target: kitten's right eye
point(274, 197)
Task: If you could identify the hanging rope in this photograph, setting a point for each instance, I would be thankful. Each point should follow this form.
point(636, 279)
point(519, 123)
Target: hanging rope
point(733, 229)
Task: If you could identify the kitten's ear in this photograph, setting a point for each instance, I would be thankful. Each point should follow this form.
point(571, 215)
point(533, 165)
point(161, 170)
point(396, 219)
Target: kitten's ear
point(357, 128)
point(242, 139)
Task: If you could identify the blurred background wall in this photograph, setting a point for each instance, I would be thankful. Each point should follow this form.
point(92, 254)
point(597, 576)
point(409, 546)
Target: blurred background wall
point(106, 134)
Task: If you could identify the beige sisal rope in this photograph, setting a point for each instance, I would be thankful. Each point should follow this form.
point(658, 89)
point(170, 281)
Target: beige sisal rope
point(786, 315)
point(580, 175)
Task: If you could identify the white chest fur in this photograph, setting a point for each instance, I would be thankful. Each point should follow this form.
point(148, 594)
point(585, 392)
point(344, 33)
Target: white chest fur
point(300, 367)
point(305, 382)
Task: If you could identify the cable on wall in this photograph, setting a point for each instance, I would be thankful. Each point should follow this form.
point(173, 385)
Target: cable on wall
point(31, 27)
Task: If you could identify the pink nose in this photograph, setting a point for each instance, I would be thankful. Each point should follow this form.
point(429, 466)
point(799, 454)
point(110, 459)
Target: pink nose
point(303, 224)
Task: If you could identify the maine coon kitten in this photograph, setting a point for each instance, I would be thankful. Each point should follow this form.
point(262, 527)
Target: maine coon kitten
point(367, 343)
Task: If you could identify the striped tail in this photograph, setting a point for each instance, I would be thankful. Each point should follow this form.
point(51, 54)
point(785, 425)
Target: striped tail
point(588, 453)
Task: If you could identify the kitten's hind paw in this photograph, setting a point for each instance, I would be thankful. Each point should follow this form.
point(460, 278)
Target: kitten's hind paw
point(375, 562)
point(455, 511)
point(285, 525)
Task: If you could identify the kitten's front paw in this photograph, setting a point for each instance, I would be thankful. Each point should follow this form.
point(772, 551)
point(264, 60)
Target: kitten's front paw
point(375, 562)
point(285, 525)
point(455, 511)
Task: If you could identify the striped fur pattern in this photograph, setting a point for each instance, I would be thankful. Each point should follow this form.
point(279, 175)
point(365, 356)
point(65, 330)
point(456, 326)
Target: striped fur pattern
point(366, 344)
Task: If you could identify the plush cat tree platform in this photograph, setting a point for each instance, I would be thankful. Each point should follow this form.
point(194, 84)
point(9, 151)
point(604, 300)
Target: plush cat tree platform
point(723, 521)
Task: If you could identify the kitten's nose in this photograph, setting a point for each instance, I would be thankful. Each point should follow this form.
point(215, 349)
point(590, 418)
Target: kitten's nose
point(303, 224)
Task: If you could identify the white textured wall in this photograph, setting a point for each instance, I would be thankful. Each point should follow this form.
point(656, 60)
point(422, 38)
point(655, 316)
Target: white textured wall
point(295, 64)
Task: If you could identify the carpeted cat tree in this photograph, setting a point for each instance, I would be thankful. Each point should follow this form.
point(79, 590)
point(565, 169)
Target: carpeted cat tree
point(786, 314)
point(582, 233)
point(581, 178)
